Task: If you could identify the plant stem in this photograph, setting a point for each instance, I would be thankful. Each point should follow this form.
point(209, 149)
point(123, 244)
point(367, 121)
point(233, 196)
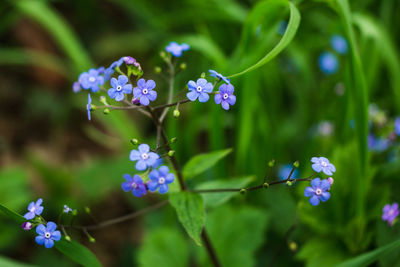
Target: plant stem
point(171, 90)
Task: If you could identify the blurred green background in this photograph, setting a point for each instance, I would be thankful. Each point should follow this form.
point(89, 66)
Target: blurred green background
point(48, 148)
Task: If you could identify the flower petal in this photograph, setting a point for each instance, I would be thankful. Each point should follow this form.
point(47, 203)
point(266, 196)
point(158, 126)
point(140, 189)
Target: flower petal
point(141, 165)
point(169, 178)
point(56, 235)
point(119, 96)
point(122, 80)
point(135, 155)
point(192, 95)
point(152, 186)
point(225, 105)
point(40, 229)
point(152, 95)
point(314, 200)
point(48, 243)
point(325, 196)
point(144, 148)
point(40, 239)
point(144, 100)
point(316, 167)
point(308, 191)
point(163, 189)
point(51, 227)
point(316, 183)
point(141, 83)
point(114, 83)
point(203, 97)
point(150, 84)
point(192, 84)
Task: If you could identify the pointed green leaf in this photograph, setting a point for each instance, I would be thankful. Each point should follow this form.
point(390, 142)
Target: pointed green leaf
point(12, 214)
point(190, 210)
point(202, 162)
point(77, 253)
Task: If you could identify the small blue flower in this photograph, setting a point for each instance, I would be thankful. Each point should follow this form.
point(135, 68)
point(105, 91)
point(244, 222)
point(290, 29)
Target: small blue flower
point(89, 106)
point(119, 88)
point(135, 184)
point(47, 234)
point(176, 49)
point(328, 63)
point(144, 157)
point(285, 170)
point(225, 96)
point(144, 92)
point(34, 209)
point(110, 70)
point(199, 89)
point(378, 144)
point(91, 80)
point(76, 87)
point(215, 74)
point(318, 191)
point(160, 179)
point(397, 126)
point(322, 164)
point(66, 209)
point(101, 70)
point(339, 44)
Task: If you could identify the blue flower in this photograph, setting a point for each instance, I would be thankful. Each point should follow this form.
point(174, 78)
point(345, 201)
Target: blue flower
point(34, 209)
point(339, 44)
point(144, 92)
point(89, 106)
point(67, 209)
point(225, 96)
point(318, 191)
point(110, 70)
point(119, 88)
point(215, 74)
point(378, 144)
point(160, 179)
point(328, 63)
point(322, 164)
point(135, 184)
point(285, 170)
point(144, 157)
point(199, 89)
point(397, 126)
point(101, 70)
point(176, 49)
point(76, 87)
point(91, 80)
point(47, 235)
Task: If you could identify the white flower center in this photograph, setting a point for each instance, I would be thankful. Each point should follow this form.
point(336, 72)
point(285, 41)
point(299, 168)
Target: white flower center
point(47, 235)
point(324, 164)
point(199, 89)
point(32, 209)
point(134, 185)
point(145, 156)
point(318, 192)
point(225, 96)
point(119, 88)
point(161, 180)
point(92, 79)
point(390, 212)
point(145, 91)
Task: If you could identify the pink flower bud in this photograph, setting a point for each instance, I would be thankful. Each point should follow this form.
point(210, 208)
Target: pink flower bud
point(330, 180)
point(26, 226)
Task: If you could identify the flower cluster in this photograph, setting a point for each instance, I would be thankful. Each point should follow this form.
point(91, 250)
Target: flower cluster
point(47, 231)
point(319, 188)
point(328, 61)
point(390, 213)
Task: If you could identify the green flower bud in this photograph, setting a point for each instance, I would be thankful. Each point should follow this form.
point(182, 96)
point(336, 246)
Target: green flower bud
point(134, 141)
point(289, 183)
point(87, 209)
point(92, 240)
point(182, 66)
point(171, 153)
point(173, 140)
point(176, 113)
point(68, 238)
point(266, 185)
point(157, 70)
point(296, 164)
point(203, 75)
point(243, 191)
point(271, 163)
point(106, 111)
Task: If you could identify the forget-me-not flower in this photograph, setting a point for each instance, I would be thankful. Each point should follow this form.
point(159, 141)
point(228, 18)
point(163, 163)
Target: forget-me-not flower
point(215, 74)
point(339, 44)
point(135, 184)
point(91, 80)
point(47, 234)
point(144, 91)
point(176, 49)
point(34, 209)
point(328, 63)
point(318, 191)
point(110, 70)
point(322, 164)
point(199, 89)
point(225, 96)
point(89, 106)
point(390, 212)
point(144, 157)
point(66, 209)
point(119, 88)
point(160, 179)
point(76, 87)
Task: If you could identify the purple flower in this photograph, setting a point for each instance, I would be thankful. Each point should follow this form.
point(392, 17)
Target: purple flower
point(318, 191)
point(160, 179)
point(199, 89)
point(91, 80)
point(26, 226)
point(119, 88)
point(144, 157)
point(225, 96)
point(215, 74)
point(390, 212)
point(397, 126)
point(76, 87)
point(144, 92)
point(339, 44)
point(67, 209)
point(135, 185)
point(47, 235)
point(130, 60)
point(34, 209)
point(176, 49)
point(285, 170)
point(322, 164)
point(89, 106)
point(110, 70)
point(328, 63)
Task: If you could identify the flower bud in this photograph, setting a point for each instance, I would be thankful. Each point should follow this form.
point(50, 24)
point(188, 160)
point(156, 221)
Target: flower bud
point(243, 191)
point(271, 163)
point(289, 183)
point(182, 66)
point(296, 164)
point(292, 246)
point(265, 185)
point(26, 226)
point(106, 111)
point(92, 240)
point(134, 141)
point(68, 238)
point(163, 54)
point(87, 209)
point(203, 75)
point(157, 70)
point(103, 100)
point(330, 180)
point(171, 153)
point(135, 101)
point(92, 107)
point(176, 113)
point(173, 140)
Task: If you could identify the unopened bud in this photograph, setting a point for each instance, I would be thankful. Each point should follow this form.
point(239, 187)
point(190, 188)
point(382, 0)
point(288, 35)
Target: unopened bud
point(135, 101)
point(157, 70)
point(292, 246)
point(173, 140)
point(26, 226)
point(289, 183)
point(330, 180)
point(296, 164)
point(243, 191)
point(177, 113)
point(163, 54)
point(271, 163)
point(103, 100)
point(182, 66)
point(106, 111)
point(203, 75)
point(171, 153)
point(92, 107)
point(134, 141)
point(68, 238)
point(92, 240)
point(265, 185)
point(87, 209)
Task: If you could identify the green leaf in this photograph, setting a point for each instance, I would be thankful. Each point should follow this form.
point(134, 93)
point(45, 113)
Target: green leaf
point(294, 22)
point(77, 253)
point(216, 199)
point(202, 162)
point(12, 214)
point(190, 210)
point(6, 262)
point(164, 247)
point(370, 257)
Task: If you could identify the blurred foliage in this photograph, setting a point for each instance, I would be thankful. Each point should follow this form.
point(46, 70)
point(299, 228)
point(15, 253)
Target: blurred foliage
point(49, 150)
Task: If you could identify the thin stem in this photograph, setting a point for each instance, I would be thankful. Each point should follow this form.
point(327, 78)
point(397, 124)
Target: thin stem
point(210, 249)
point(171, 104)
point(171, 90)
point(290, 174)
point(118, 219)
